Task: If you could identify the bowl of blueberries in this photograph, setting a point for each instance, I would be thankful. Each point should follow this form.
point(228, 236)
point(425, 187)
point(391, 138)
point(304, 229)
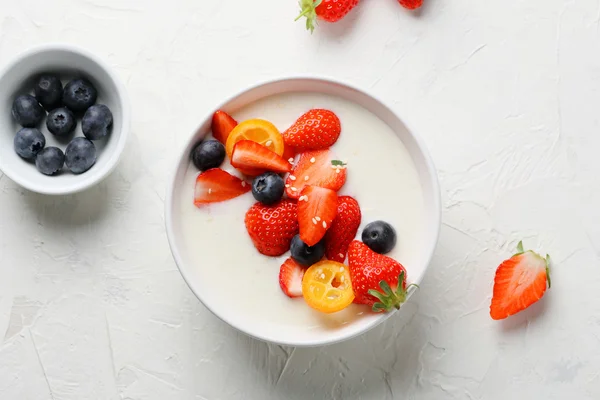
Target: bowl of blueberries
point(64, 119)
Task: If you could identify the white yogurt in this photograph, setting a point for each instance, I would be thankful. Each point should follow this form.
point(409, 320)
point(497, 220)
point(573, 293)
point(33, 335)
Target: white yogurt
point(238, 282)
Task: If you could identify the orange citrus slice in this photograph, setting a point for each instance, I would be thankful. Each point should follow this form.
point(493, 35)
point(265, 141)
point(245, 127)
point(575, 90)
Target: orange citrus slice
point(326, 286)
point(259, 131)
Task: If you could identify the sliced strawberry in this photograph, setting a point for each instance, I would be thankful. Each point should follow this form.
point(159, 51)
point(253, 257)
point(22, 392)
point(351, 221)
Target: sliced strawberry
point(315, 168)
point(252, 156)
point(343, 229)
point(520, 281)
point(272, 227)
point(289, 154)
point(216, 185)
point(290, 278)
point(317, 208)
point(222, 125)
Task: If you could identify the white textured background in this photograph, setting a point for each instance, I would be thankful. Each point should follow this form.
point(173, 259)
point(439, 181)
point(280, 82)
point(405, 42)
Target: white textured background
point(506, 95)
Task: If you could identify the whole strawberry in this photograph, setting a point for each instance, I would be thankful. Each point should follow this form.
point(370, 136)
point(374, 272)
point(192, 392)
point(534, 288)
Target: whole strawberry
point(327, 10)
point(375, 278)
point(316, 129)
point(272, 227)
point(411, 4)
point(343, 229)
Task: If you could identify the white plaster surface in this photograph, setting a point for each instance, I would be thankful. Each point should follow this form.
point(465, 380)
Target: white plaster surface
point(505, 93)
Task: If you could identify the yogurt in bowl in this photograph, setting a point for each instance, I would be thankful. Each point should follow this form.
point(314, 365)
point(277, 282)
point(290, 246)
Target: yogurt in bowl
point(388, 172)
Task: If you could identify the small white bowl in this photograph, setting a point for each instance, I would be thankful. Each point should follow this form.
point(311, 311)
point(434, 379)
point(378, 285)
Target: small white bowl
point(67, 61)
point(427, 177)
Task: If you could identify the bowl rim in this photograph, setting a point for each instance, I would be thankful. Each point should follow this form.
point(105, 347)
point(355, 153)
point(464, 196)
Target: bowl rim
point(181, 153)
point(115, 156)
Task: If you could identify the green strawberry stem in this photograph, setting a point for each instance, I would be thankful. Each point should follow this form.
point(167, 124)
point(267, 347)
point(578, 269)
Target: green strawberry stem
point(390, 299)
point(337, 163)
point(308, 10)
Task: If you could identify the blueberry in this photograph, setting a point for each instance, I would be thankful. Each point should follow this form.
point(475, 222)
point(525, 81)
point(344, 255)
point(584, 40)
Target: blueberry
point(79, 95)
point(268, 188)
point(50, 160)
point(27, 111)
point(208, 154)
point(48, 91)
point(97, 122)
point(379, 236)
point(80, 155)
point(29, 142)
point(304, 254)
point(61, 121)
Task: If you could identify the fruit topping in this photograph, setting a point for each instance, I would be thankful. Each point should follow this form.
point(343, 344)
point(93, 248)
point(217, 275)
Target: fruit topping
point(304, 254)
point(80, 155)
point(317, 209)
point(79, 95)
point(411, 4)
point(208, 154)
point(520, 281)
point(27, 111)
point(343, 229)
point(216, 185)
point(48, 91)
point(268, 188)
point(317, 129)
point(29, 142)
point(222, 125)
point(290, 278)
point(259, 131)
point(61, 121)
point(97, 122)
point(327, 287)
point(272, 227)
point(379, 236)
point(50, 160)
point(251, 156)
point(315, 168)
point(327, 10)
point(372, 273)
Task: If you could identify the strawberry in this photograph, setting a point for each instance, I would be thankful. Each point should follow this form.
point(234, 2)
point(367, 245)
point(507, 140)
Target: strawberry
point(343, 229)
point(411, 4)
point(290, 278)
point(252, 156)
point(316, 129)
point(327, 10)
point(272, 227)
point(317, 169)
point(520, 281)
point(317, 208)
point(375, 278)
point(289, 153)
point(222, 125)
point(216, 185)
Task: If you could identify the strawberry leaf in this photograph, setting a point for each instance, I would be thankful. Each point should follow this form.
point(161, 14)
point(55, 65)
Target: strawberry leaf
point(337, 163)
point(390, 299)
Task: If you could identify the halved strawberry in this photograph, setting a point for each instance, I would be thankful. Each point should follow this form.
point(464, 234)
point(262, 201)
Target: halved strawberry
point(520, 281)
point(216, 185)
point(289, 153)
point(317, 208)
point(252, 156)
point(290, 278)
point(343, 229)
point(222, 125)
point(272, 227)
point(315, 168)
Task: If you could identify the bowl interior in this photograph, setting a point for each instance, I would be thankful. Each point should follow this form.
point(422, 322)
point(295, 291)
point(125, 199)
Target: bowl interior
point(18, 78)
point(270, 329)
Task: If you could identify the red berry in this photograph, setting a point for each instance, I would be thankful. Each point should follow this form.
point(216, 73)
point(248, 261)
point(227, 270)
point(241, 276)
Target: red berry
point(411, 4)
point(290, 278)
point(327, 10)
point(272, 227)
point(215, 185)
point(316, 129)
point(316, 212)
point(343, 229)
point(315, 168)
point(222, 125)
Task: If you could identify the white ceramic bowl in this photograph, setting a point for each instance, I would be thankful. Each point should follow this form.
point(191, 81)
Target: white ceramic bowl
point(67, 61)
point(427, 175)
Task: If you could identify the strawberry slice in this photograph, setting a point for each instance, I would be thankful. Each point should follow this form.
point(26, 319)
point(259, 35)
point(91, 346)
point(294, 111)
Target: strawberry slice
point(252, 156)
point(290, 278)
point(222, 125)
point(216, 185)
point(520, 281)
point(317, 208)
point(316, 168)
point(343, 229)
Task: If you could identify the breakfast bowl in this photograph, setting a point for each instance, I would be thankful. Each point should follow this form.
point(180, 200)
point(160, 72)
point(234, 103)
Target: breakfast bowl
point(67, 63)
point(389, 172)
